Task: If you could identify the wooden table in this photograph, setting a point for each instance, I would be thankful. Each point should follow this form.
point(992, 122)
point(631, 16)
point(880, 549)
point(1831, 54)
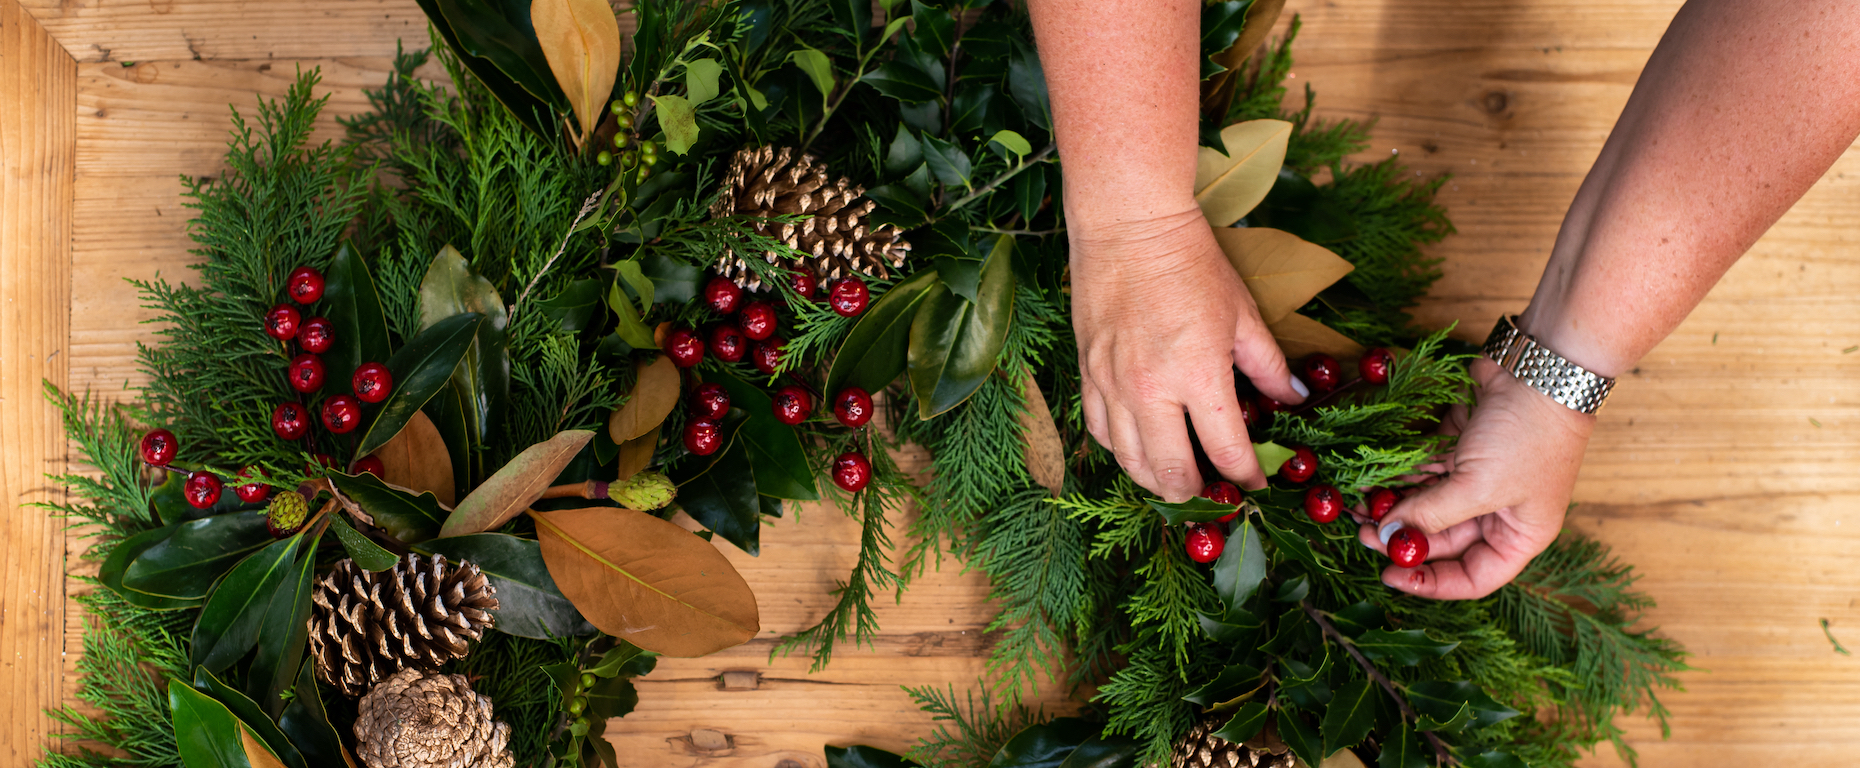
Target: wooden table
point(1725, 468)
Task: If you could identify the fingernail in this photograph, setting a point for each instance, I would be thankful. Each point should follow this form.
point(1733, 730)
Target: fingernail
point(1388, 529)
point(1300, 388)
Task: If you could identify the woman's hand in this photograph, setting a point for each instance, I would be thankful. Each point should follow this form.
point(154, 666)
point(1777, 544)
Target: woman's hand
point(1162, 319)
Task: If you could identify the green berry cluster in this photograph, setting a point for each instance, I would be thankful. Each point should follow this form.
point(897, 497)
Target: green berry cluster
point(629, 153)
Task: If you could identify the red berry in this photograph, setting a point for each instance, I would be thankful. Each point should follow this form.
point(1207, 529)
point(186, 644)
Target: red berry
point(767, 354)
point(703, 437)
point(1408, 547)
point(316, 335)
point(684, 347)
point(158, 447)
point(372, 382)
point(709, 401)
point(290, 420)
point(305, 285)
point(849, 296)
point(792, 405)
point(370, 465)
point(853, 407)
point(852, 471)
point(1374, 365)
point(255, 492)
point(1223, 492)
point(1205, 542)
point(342, 414)
point(722, 294)
point(306, 373)
point(803, 284)
point(1323, 503)
point(1301, 467)
point(282, 321)
point(727, 343)
point(758, 320)
point(1380, 501)
point(1267, 407)
point(1323, 373)
point(1250, 413)
point(202, 489)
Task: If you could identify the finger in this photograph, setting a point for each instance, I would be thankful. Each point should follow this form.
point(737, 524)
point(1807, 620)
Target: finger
point(1436, 508)
point(1127, 446)
point(1165, 446)
point(1222, 429)
point(1259, 357)
point(1446, 545)
point(1095, 420)
point(1478, 572)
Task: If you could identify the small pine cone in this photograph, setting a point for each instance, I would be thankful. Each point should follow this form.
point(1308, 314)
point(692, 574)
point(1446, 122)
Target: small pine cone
point(1200, 748)
point(419, 613)
point(419, 719)
point(835, 239)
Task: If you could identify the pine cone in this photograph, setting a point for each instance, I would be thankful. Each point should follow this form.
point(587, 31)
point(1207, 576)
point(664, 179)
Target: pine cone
point(418, 719)
point(1200, 748)
point(419, 613)
point(834, 239)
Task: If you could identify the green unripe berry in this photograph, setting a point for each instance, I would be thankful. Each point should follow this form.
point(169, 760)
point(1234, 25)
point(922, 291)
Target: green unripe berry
point(622, 139)
point(625, 121)
point(629, 158)
point(587, 681)
point(582, 722)
point(644, 172)
point(604, 158)
point(631, 99)
point(616, 107)
point(577, 706)
point(650, 160)
point(648, 148)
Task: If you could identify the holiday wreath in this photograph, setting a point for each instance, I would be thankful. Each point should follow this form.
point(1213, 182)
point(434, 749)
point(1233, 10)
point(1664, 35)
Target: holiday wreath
point(461, 369)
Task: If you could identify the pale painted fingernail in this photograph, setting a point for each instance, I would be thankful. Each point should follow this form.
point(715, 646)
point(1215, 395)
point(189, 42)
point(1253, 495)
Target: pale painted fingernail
point(1388, 529)
point(1300, 388)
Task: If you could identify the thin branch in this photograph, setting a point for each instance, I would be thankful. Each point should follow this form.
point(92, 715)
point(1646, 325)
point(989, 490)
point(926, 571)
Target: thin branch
point(1035, 159)
point(587, 207)
point(1441, 755)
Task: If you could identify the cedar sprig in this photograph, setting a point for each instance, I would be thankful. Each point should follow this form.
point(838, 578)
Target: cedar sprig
point(968, 732)
point(129, 655)
point(1041, 596)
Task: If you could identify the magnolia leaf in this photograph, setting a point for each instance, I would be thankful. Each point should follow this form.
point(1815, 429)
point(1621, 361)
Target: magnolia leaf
point(169, 499)
point(636, 454)
point(1352, 712)
point(647, 581)
point(110, 574)
point(307, 724)
point(405, 515)
point(1045, 452)
point(1281, 271)
point(206, 733)
point(955, 343)
point(1044, 745)
point(265, 735)
point(421, 367)
point(775, 453)
point(581, 41)
point(185, 565)
point(528, 602)
point(1406, 647)
point(359, 327)
point(721, 494)
point(418, 459)
point(482, 380)
point(679, 121)
point(284, 633)
point(1227, 186)
point(517, 93)
point(256, 753)
point(1301, 336)
point(701, 80)
point(516, 485)
point(875, 351)
point(655, 393)
point(367, 555)
point(1493, 759)
point(503, 34)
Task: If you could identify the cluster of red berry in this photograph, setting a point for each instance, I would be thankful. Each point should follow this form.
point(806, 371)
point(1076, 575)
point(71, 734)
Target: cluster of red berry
point(1323, 503)
point(341, 414)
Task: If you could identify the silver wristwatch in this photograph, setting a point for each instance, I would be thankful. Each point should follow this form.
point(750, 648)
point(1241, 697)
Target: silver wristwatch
point(1543, 370)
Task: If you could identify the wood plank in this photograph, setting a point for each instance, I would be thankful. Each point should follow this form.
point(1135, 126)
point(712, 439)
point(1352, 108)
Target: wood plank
point(38, 91)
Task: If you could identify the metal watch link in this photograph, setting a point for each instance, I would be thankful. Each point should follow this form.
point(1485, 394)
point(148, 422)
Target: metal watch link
point(1543, 370)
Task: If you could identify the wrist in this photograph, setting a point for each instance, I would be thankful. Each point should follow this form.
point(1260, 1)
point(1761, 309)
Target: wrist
point(1163, 227)
point(1584, 344)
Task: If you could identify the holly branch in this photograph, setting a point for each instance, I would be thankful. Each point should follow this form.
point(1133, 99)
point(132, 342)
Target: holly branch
point(1442, 756)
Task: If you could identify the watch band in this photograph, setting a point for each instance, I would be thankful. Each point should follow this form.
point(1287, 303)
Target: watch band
point(1545, 371)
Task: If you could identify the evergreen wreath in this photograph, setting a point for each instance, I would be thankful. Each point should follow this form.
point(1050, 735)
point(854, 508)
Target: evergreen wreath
point(461, 367)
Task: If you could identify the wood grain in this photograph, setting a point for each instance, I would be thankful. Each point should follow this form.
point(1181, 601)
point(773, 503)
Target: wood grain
point(38, 87)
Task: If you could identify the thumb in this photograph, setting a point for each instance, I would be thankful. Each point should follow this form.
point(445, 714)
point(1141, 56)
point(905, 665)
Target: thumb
point(1257, 355)
point(1458, 498)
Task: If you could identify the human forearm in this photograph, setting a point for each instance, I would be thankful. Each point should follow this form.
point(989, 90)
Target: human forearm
point(1741, 108)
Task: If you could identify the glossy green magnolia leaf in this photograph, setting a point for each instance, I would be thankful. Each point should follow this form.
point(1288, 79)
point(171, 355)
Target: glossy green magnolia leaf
point(206, 733)
point(408, 517)
point(679, 121)
point(1245, 723)
point(531, 111)
point(1241, 567)
point(171, 505)
point(357, 323)
point(947, 161)
point(421, 367)
point(482, 379)
point(1195, 510)
point(187, 563)
point(875, 352)
point(1233, 681)
point(367, 555)
point(701, 80)
point(575, 308)
point(1295, 546)
point(500, 31)
point(1406, 647)
point(248, 713)
point(228, 624)
point(1492, 759)
point(283, 633)
point(1271, 456)
point(1101, 752)
point(1440, 699)
point(955, 343)
point(1044, 745)
point(1402, 749)
point(307, 724)
point(861, 756)
point(126, 552)
point(721, 495)
point(447, 412)
point(1350, 716)
point(528, 602)
point(1300, 736)
point(775, 451)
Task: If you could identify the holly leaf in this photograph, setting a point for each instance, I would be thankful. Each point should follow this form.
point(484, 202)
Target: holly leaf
point(1406, 647)
point(1044, 745)
point(1013, 143)
point(1245, 724)
point(875, 351)
point(955, 343)
point(701, 79)
point(630, 326)
point(580, 40)
point(647, 581)
point(611, 697)
point(1196, 510)
point(817, 67)
point(1402, 749)
point(904, 154)
point(1241, 567)
point(254, 719)
point(1271, 456)
point(679, 121)
point(775, 453)
point(573, 309)
point(947, 161)
point(1300, 736)
point(1234, 680)
point(1229, 185)
point(1027, 84)
point(1291, 544)
point(656, 390)
point(409, 517)
point(1460, 718)
point(1355, 619)
point(516, 485)
point(1350, 716)
point(674, 281)
point(936, 29)
point(357, 323)
point(1442, 700)
point(420, 368)
point(110, 574)
point(186, 564)
point(528, 602)
point(1492, 759)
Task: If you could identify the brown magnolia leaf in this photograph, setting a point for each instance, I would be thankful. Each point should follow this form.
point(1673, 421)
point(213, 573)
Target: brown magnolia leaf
point(581, 41)
point(256, 753)
point(652, 399)
point(1299, 336)
point(417, 459)
point(636, 454)
point(1045, 452)
point(1217, 93)
point(1228, 186)
point(515, 486)
point(1281, 270)
point(647, 581)
point(1342, 758)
